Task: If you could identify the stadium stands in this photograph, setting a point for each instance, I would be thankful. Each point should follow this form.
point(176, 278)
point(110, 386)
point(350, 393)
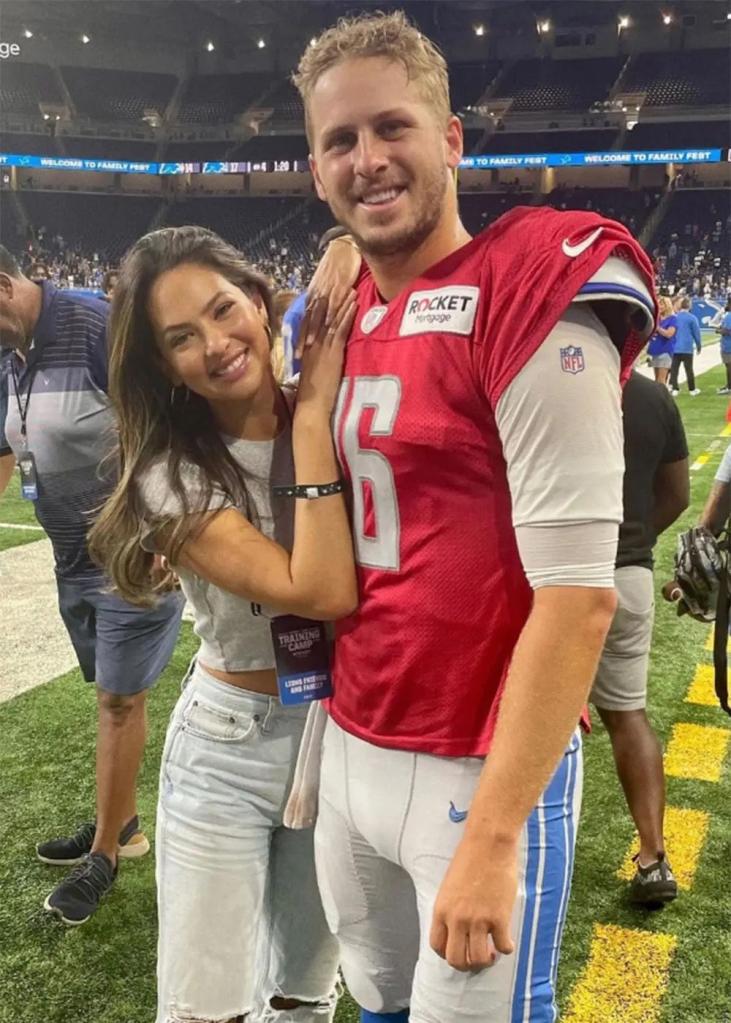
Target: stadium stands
point(689, 78)
point(92, 148)
point(24, 86)
point(34, 145)
point(559, 85)
point(286, 102)
point(117, 95)
point(220, 99)
point(551, 141)
point(105, 224)
point(680, 135)
point(467, 82)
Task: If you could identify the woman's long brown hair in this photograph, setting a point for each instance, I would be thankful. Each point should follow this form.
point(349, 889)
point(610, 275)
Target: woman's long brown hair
point(153, 419)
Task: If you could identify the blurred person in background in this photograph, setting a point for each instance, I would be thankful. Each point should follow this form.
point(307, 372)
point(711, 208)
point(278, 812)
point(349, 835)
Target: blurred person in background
point(687, 341)
point(656, 491)
point(59, 427)
point(662, 343)
point(724, 329)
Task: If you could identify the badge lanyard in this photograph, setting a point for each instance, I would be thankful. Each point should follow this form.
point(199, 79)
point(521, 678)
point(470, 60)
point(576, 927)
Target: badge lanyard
point(301, 657)
point(26, 459)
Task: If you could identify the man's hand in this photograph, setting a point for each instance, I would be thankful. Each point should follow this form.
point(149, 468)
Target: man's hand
point(474, 906)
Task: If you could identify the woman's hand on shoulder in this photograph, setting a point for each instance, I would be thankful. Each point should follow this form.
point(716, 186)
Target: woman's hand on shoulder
point(329, 289)
point(322, 362)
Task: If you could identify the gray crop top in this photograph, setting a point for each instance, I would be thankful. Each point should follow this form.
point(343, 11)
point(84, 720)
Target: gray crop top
point(233, 637)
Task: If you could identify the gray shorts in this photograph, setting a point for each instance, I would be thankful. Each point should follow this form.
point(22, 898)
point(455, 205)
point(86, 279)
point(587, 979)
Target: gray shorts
point(621, 678)
point(726, 358)
point(661, 361)
point(121, 647)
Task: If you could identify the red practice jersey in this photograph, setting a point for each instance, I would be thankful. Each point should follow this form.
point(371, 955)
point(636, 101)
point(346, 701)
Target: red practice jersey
point(443, 596)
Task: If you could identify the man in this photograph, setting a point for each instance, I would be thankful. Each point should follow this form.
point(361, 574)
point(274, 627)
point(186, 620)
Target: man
point(687, 339)
point(479, 422)
point(56, 422)
point(656, 492)
point(724, 329)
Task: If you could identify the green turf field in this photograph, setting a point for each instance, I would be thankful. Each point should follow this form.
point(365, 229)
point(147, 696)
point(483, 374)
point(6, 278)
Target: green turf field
point(104, 971)
point(16, 511)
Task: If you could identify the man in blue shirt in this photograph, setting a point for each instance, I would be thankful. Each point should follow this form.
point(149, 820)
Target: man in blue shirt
point(56, 421)
point(687, 340)
point(724, 329)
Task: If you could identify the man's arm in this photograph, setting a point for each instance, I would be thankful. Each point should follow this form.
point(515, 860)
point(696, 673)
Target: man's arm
point(717, 508)
point(671, 488)
point(697, 333)
point(562, 440)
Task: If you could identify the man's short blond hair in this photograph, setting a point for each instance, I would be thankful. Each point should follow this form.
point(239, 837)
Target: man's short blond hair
point(391, 36)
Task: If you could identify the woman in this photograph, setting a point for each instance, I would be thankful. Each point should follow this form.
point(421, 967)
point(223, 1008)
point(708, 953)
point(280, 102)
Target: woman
point(661, 346)
point(205, 434)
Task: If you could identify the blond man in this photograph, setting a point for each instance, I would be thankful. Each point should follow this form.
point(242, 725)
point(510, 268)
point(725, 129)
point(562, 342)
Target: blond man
point(479, 423)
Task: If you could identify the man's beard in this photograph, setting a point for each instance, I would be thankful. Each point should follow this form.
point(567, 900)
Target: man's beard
point(413, 233)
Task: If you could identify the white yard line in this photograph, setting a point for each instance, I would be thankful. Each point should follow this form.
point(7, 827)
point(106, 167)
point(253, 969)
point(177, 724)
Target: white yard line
point(33, 639)
point(15, 525)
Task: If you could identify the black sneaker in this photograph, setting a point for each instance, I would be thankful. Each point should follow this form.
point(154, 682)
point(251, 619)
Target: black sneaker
point(67, 852)
point(78, 896)
point(653, 885)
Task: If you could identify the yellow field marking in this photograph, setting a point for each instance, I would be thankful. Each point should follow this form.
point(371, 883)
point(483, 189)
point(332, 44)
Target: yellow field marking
point(700, 461)
point(726, 431)
point(696, 751)
point(709, 642)
point(625, 978)
point(685, 833)
point(701, 688)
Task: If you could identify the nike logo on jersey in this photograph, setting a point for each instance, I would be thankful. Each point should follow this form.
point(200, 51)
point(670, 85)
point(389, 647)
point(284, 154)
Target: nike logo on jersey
point(455, 815)
point(450, 310)
point(572, 251)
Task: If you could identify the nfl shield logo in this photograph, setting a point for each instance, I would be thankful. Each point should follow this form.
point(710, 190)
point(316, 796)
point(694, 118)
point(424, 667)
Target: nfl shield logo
point(572, 359)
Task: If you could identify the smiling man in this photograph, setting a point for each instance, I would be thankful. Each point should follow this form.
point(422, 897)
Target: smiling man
point(479, 422)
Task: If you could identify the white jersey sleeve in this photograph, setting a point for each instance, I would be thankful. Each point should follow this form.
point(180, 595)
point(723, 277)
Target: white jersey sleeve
point(619, 280)
point(560, 423)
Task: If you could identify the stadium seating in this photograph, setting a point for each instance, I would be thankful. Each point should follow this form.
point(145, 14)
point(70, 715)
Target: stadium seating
point(106, 224)
point(559, 85)
point(286, 102)
point(550, 141)
point(35, 145)
point(273, 147)
point(12, 231)
point(467, 82)
point(691, 78)
point(118, 95)
point(24, 86)
point(680, 135)
point(109, 149)
point(241, 220)
point(477, 210)
point(219, 99)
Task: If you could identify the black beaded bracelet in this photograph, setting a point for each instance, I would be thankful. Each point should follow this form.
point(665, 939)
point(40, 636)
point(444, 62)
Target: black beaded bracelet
point(310, 491)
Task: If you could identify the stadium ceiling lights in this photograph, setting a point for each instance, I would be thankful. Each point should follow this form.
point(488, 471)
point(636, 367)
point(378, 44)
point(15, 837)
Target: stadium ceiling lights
point(479, 30)
point(85, 39)
point(624, 21)
point(667, 19)
point(543, 27)
point(313, 40)
point(261, 44)
point(210, 46)
point(27, 33)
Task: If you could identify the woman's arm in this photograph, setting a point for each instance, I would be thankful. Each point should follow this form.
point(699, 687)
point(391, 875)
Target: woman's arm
point(317, 579)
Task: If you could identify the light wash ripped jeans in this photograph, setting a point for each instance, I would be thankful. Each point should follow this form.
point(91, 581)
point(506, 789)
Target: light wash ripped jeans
point(239, 910)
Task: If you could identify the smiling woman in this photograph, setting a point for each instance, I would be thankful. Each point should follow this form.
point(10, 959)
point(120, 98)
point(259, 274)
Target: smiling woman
point(213, 455)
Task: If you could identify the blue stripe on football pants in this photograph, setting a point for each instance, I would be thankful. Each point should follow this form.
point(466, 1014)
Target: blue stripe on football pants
point(551, 831)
